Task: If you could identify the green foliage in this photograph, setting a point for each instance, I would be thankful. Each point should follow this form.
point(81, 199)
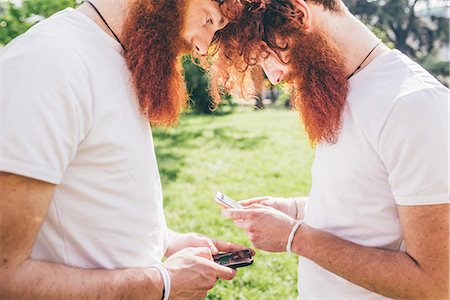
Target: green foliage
point(197, 82)
point(434, 65)
point(400, 24)
point(197, 85)
point(244, 154)
point(383, 36)
point(12, 22)
point(15, 20)
point(46, 8)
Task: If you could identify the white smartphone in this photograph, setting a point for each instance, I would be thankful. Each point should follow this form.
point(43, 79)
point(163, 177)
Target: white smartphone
point(226, 201)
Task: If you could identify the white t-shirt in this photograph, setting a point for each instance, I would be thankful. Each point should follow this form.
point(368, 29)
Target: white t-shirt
point(392, 150)
point(69, 116)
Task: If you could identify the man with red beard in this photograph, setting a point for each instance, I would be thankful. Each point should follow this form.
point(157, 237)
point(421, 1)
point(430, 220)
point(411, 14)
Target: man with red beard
point(376, 222)
point(81, 213)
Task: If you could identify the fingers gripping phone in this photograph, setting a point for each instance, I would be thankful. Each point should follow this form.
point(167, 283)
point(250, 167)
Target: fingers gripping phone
point(236, 259)
point(226, 201)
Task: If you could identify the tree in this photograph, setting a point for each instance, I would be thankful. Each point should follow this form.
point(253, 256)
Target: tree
point(16, 19)
point(258, 81)
point(12, 22)
point(398, 19)
point(197, 82)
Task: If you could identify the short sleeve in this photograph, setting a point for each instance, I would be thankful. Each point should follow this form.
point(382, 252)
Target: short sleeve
point(414, 145)
point(46, 107)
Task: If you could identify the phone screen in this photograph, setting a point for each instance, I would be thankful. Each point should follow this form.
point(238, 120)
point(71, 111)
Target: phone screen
point(227, 201)
point(235, 259)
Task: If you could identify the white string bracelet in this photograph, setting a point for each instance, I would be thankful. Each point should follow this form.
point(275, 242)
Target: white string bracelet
point(166, 280)
point(292, 234)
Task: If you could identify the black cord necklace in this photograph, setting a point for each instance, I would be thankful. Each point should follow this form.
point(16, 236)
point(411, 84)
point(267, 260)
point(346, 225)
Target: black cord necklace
point(359, 67)
point(106, 23)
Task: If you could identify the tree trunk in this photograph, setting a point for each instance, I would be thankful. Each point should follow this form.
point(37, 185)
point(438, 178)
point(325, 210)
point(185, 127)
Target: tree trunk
point(258, 80)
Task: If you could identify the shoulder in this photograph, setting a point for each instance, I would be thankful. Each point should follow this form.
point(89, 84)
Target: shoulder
point(420, 100)
point(416, 117)
point(49, 43)
point(42, 59)
point(44, 70)
point(394, 87)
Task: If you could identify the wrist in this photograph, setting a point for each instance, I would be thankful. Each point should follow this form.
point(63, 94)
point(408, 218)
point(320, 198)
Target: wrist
point(153, 283)
point(166, 280)
point(300, 240)
point(294, 227)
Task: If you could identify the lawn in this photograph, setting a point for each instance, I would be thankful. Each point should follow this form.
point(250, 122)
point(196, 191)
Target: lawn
point(244, 154)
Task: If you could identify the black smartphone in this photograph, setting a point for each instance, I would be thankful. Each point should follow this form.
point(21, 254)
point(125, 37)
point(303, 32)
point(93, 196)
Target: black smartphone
point(236, 259)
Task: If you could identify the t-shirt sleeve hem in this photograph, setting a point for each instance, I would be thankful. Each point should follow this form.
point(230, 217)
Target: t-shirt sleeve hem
point(30, 171)
point(421, 200)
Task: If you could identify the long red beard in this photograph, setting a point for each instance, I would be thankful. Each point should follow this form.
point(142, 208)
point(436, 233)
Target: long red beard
point(153, 46)
point(319, 85)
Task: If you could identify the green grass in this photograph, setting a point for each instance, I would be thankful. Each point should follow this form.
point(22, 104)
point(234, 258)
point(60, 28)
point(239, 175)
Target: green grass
point(244, 154)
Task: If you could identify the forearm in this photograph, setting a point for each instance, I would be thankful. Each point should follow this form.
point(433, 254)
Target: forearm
point(41, 280)
point(390, 273)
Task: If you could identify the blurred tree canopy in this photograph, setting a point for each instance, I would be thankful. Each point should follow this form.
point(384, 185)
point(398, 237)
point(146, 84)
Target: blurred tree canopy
point(410, 33)
point(197, 83)
point(16, 19)
point(399, 24)
point(396, 22)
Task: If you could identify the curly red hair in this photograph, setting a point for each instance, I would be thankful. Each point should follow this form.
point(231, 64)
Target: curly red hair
point(259, 28)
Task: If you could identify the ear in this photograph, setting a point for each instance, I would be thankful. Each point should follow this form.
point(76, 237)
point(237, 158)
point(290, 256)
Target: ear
point(300, 5)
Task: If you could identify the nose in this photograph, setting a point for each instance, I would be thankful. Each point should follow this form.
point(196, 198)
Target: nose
point(201, 45)
point(274, 75)
point(202, 41)
point(273, 72)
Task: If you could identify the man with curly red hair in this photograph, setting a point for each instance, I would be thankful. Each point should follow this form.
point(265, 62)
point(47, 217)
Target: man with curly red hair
point(81, 210)
point(376, 222)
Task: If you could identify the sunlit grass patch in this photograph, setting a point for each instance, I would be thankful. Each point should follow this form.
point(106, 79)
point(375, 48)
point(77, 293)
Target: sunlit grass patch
point(244, 154)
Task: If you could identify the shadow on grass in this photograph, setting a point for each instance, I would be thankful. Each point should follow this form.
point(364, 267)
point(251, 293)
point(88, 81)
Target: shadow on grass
point(172, 146)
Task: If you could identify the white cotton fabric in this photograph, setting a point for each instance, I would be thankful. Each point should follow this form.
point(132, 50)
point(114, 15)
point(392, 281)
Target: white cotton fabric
point(69, 116)
point(393, 150)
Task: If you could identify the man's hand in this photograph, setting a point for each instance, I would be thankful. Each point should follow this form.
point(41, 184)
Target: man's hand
point(193, 273)
point(267, 228)
point(293, 207)
point(178, 241)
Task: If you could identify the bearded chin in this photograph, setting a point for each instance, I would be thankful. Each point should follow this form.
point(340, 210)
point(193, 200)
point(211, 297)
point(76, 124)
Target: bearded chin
point(153, 46)
point(319, 86)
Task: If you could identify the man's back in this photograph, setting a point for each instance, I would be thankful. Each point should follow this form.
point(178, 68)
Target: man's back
point(70, 117)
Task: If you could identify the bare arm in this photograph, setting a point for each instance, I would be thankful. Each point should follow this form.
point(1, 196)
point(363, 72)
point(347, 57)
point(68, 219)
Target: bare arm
point(23, 205)
point(422, 272)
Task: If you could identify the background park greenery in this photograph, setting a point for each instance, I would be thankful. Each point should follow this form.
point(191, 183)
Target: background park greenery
point(242, 154)
point(245, 152)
